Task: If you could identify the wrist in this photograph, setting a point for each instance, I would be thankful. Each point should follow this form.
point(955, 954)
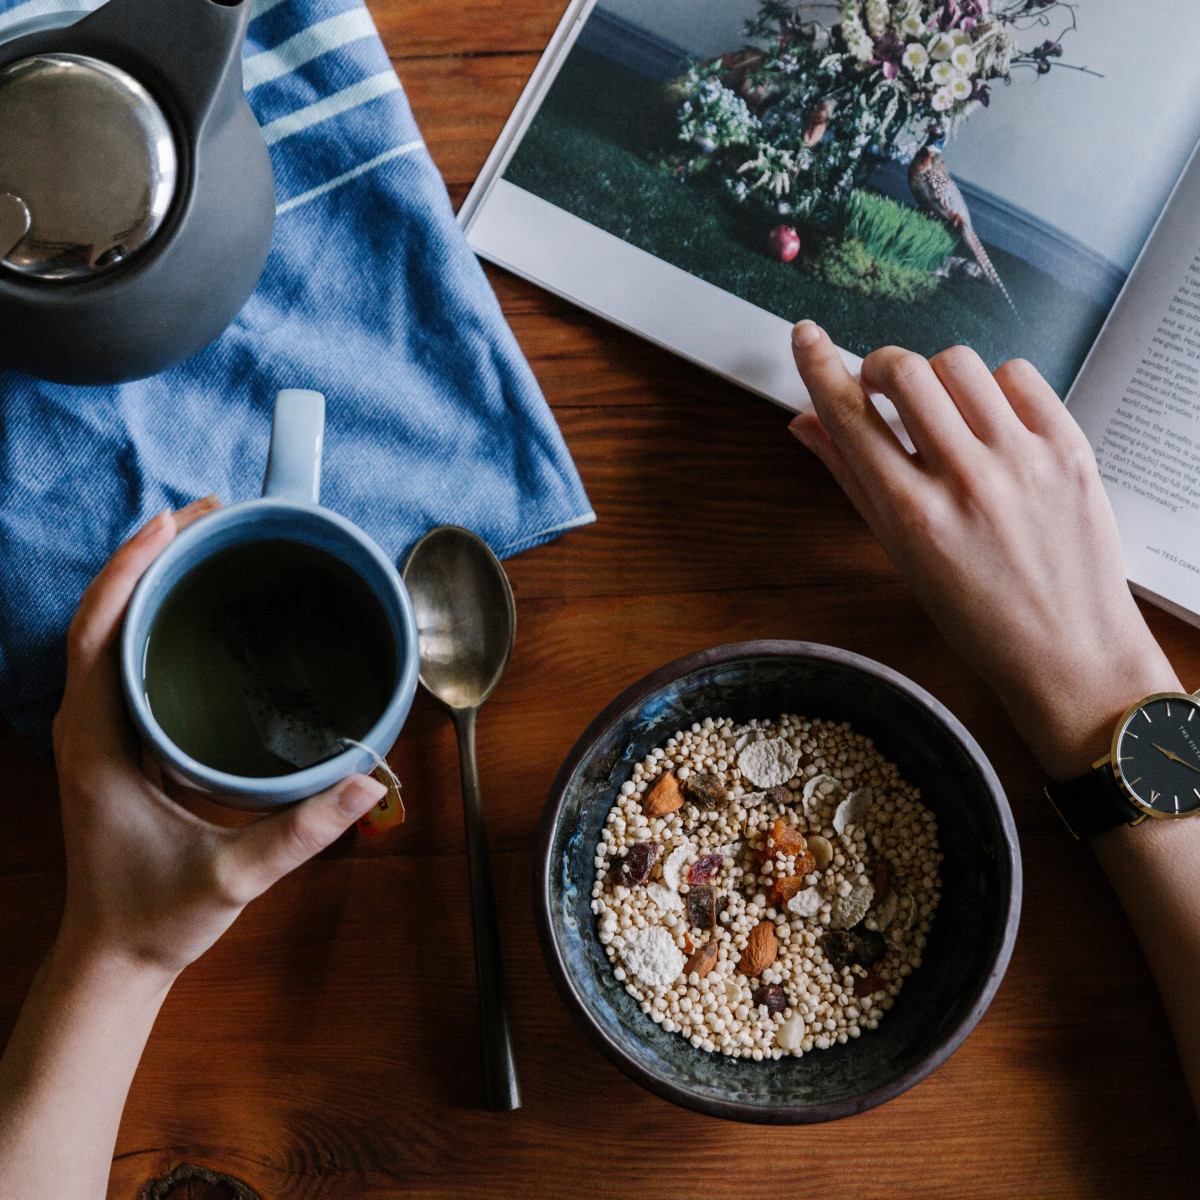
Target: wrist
point(80, 961)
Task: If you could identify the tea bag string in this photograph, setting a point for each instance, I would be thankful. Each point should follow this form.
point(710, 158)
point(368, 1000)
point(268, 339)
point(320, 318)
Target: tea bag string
point(381, 771)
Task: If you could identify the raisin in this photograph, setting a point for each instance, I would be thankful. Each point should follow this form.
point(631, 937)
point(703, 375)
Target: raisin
point(635, 867)
point(706, 868)
point(705, 791)
point(869, 985)
point(702, 906)
point(838, 947)
point(869, 946)
point(879, 877)
point(784, 839)
point(772, 995)
point(781, 795)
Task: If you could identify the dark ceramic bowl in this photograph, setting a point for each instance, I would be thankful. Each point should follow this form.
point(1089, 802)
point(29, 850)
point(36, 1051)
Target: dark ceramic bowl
point(973, 931)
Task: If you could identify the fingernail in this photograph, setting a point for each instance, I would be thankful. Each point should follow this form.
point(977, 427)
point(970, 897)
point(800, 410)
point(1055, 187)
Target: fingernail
point(796, 429)
point(153, 526)
point(359, 794)
point(805, 333)
point(203, 505)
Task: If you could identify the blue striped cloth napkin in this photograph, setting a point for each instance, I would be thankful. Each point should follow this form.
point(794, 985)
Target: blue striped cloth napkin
point(370, 295)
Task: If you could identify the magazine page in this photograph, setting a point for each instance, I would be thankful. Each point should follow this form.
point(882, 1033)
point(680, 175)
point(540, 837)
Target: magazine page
point(1138, 400)
point(926, 172)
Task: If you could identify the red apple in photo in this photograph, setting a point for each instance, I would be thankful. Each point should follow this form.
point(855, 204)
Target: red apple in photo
point(784, 243)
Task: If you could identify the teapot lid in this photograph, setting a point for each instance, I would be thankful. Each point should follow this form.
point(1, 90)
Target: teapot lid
point(90, 157)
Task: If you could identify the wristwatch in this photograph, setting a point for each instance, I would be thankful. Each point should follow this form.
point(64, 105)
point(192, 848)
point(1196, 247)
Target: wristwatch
point(1152, 770)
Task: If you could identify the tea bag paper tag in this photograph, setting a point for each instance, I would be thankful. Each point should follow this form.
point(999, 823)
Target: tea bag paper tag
point(390, 810)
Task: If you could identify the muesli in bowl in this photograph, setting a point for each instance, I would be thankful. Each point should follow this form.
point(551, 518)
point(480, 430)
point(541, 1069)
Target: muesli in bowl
point(764, 888)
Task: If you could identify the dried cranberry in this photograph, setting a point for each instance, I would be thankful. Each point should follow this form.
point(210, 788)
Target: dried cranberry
point(702, 906)
point(772, 995)
point(635, 867)
point(706, 868)
point(705, 790)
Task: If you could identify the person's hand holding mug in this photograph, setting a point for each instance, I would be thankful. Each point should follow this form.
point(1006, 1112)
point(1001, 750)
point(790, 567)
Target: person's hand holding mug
point(150, 887)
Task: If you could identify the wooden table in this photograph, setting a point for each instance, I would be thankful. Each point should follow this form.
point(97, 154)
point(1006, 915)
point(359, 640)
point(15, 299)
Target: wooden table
point(328, 1046)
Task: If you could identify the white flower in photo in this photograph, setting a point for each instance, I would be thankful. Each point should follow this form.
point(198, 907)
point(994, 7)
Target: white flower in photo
point(942, 47)
point(912, 26)
point(944, 74)
point(961, 37)
point(962, 88)
point(963, 59)
point(943, 100)
point(915, 58)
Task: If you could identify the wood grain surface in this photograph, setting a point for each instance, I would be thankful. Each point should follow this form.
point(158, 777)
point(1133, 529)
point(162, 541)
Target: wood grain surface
point(328, 1045)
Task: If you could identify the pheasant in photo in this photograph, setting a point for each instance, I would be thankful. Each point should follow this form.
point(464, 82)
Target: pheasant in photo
point(935, 191)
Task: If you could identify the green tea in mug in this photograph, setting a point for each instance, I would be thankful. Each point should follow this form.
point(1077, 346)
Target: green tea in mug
point(264, 655)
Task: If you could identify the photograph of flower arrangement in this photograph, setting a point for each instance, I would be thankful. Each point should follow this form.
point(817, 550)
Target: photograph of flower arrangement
point(811, 166)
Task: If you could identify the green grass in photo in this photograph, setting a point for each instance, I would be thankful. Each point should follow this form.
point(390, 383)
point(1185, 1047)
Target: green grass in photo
point(597, 149)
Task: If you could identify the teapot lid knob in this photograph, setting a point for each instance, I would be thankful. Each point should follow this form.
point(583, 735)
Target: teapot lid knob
point(90, 158)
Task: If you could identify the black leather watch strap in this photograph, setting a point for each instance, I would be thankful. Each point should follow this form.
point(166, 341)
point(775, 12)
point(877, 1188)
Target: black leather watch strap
point(1093, 803)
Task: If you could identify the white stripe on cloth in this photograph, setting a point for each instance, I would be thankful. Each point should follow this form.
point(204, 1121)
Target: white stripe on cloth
point(336, 182)
point(306, 45)
point(43, 8)
point(332, 106)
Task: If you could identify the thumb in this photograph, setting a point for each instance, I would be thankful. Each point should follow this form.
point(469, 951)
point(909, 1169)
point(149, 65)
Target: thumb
point(262, 853)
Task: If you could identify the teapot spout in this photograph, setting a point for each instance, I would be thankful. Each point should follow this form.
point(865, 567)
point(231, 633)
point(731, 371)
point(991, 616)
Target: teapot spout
point(191, 48)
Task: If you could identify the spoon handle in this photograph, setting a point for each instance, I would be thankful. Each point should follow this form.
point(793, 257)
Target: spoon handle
point(499, 1068)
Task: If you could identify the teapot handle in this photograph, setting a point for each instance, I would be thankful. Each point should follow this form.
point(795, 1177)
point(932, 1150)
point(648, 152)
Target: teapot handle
point(297, 437)
point(193, 46)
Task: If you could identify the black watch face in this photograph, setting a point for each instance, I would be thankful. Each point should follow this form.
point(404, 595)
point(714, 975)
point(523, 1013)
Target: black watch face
point(1158, 755)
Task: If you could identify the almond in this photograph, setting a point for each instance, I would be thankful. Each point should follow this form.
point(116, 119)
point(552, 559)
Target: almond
point(664, 797)
point(760, 951)
point(702, 961)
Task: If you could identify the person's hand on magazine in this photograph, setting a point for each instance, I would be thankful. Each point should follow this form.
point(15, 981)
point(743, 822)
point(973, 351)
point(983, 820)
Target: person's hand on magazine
point(1001, 527)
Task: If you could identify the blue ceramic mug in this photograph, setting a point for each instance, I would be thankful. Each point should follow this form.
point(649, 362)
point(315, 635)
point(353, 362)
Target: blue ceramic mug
point(288, 510)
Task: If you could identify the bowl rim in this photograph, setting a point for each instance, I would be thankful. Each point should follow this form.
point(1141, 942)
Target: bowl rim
point(733, 1110)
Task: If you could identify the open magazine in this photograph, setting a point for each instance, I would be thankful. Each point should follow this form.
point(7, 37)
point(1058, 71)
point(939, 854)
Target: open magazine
point(1016, 175)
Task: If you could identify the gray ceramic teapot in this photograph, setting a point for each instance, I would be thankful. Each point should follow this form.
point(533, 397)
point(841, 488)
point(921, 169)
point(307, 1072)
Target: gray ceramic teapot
point(137, 199)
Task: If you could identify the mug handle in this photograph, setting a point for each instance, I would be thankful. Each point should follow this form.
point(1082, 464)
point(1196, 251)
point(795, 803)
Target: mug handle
point(297, 436)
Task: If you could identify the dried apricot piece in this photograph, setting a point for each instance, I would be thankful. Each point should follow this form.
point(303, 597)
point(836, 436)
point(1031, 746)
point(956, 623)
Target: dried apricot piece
point(784, 888)
point(786, 839)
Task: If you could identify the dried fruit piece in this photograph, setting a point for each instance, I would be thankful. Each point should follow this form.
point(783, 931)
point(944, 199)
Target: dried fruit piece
point(879, 875)
point(821, 849)
point(772, 996)
point(869, 946)
point(651, 955)
point(706, 868)
point(769, 763)
point(838, 948)
point(780, 795)
point(761, 949)
point(845, 911)
point(783, 888)
point(853, 810)
point(786, 839)
point(635, 867)
point(664, 797)
point(702, 906)
point(705, 791)
point(674, 864)
point(869, 985)
point(702, 961)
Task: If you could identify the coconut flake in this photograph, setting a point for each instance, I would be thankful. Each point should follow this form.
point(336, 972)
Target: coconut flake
point(667, 899)
point(806, 903)
point(674, 865)
point(853, 810)
point(812, 798)
point(652, 956)
point(846, 911)
point(769, 763)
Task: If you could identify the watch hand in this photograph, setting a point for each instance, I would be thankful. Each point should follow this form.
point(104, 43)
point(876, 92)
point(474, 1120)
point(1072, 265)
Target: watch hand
point(1175, 757)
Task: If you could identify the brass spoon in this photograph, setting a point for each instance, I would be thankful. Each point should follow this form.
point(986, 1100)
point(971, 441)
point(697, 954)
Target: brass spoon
point(467, 619)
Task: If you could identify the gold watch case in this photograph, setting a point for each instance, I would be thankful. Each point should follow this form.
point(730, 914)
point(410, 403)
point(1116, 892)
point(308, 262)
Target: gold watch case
point(1113, 759)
